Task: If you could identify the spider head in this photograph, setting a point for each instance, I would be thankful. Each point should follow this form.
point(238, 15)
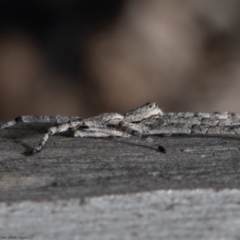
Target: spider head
point(143, 112)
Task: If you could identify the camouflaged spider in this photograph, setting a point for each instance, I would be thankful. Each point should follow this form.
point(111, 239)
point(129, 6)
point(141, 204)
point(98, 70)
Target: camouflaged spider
point(104, 125)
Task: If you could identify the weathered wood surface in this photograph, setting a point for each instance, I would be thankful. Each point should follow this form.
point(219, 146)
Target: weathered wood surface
point(86, 169)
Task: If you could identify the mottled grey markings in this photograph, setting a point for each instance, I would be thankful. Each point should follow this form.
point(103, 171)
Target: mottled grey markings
point(140, 122)
point(199, 123)
point(104, 125)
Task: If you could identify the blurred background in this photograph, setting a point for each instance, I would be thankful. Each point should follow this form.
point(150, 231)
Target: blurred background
point(84, 57)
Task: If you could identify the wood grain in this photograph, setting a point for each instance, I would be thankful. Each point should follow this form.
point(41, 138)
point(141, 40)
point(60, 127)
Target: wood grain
point(77, 168)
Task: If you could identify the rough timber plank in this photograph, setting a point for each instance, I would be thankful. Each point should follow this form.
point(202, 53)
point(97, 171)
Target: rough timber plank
point(178, 214)
point(80, 169)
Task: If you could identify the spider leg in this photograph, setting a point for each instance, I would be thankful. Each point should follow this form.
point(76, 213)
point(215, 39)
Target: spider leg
point(99, 132)
point(39, 119)
point(54, 130)
point(78, 132)
point(82, 133)
point(138, 131)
